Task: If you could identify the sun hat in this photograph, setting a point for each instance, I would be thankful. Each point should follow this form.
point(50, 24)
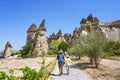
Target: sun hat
point(61, 51)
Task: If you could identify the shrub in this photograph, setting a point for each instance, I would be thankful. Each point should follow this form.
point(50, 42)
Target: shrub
point(112, 47)
point(35, 53)
point(2, 75)
point(29, 74)
point(52, 52)
point(25, 51)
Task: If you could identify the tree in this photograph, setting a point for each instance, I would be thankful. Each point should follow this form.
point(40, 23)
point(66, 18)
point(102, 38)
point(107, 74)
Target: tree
point(26, 51)
point(54, 44)
point(54, 47)
point(64, 46)
point(91, 45)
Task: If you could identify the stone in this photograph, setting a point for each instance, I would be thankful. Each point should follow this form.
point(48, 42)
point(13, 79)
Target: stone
point(90, 18)
point(37, 37)
point(8, 50)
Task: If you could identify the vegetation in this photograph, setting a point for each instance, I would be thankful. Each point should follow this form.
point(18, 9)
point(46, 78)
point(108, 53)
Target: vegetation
point(54, 44)
point(53, 47)
point(90, 45)
point(52, 52)
point(112, 48)
point(64, 46)
point(27, 51)
point(28, 73)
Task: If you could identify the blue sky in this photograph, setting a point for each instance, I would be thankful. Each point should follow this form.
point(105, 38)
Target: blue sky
point(16, 16)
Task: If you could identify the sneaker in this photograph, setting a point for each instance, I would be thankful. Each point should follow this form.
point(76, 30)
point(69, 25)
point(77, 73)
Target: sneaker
point(59, 74)
point(68, 73)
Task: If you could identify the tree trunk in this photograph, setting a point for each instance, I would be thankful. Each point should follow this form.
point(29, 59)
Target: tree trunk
point(79, 57)
point(91, 60)
point(96, 62)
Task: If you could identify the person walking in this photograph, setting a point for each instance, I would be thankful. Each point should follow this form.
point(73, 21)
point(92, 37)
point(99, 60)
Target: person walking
point(61, 60)
point(68, 62)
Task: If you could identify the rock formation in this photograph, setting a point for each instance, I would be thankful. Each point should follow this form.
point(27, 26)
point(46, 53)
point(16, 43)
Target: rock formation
point(87, 25)
point(59, 36)
point(8, 50)
point(111, 29)
point(52, 37)
point(68, 38)
point(31, 32)
point(37, 37)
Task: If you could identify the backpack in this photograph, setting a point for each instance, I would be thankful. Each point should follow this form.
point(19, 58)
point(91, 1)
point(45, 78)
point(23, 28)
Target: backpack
point(61, 58)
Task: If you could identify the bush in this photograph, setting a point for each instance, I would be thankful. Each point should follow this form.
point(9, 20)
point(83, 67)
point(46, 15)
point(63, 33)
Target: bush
point(34, 53)
point(112, 47)
point(25, 51)
point(29, 74)
point(52, 52)
point(105, 55)
point(2, 75)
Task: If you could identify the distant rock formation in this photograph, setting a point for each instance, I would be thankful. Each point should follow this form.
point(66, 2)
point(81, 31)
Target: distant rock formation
point(68, 37)
point(52, 37)
point(8, 50)
point(111, 29)
point(57, 36)
point(37, 37)
point(87, 25)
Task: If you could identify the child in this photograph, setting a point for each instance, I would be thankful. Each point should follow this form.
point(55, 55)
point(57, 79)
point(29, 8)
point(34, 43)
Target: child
point(68, 62)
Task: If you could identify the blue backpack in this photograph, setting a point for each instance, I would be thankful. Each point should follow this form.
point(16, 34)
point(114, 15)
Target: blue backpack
point(60, 58)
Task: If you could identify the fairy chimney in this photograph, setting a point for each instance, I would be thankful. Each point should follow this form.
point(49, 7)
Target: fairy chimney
point(41, 43)
point(31, 32)
point(59, 36)
point(51, 37)
point(37, 37)
point(8, 50)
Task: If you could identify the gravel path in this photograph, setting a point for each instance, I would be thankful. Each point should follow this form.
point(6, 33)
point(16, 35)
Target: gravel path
point(75, 74)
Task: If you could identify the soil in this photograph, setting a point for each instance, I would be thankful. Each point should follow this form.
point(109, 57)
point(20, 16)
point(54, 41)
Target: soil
point(16, 64)
point(109, 69)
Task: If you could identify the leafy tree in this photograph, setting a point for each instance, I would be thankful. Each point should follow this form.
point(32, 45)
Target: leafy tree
point(54, 47)
point(26, 51)
point(64, 46)
point(91, 45)
point(54, 44)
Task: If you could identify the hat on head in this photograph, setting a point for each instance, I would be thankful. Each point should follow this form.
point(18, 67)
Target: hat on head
point(61, 51)
point(67, 56)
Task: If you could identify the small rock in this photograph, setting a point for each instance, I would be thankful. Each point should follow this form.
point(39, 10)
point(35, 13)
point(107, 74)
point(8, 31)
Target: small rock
point(105, 73)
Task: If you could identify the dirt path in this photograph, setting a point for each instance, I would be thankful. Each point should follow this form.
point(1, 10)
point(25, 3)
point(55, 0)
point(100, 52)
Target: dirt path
point(113, 64)
point(108, 70)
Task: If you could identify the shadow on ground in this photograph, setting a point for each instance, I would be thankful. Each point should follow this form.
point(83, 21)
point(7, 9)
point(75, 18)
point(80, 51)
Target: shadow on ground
point(85, 65)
